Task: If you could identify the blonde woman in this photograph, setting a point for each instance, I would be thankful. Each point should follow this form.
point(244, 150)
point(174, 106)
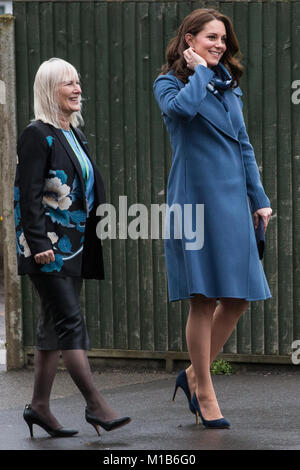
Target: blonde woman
point(57, 190)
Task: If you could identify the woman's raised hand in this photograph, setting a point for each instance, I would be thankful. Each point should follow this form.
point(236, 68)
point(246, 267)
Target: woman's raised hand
point(192, 58)
point(45, 257)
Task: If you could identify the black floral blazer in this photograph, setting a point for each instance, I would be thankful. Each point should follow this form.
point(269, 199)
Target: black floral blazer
point(51, 210)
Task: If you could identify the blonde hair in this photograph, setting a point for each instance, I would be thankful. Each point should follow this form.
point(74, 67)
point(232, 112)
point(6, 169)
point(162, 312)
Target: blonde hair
point(50, 74)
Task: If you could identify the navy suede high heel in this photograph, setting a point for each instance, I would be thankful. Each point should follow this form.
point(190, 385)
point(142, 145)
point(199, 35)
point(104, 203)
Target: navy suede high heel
point(181, 381)
point(213, 423)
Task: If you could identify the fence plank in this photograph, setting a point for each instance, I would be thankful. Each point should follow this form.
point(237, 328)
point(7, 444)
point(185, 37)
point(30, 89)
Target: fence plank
point(176, 338)
point(270, 173)
point(295, 134)
point(131, 165)
point(117, 171)
point(46, 31)
point(103, 118)
point(284, 193)
point(22, 79)
point(255, 130)
point(87, 66)
point(144, 171)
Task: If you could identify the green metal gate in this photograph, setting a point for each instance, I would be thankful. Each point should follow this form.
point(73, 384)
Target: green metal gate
point(118, 47)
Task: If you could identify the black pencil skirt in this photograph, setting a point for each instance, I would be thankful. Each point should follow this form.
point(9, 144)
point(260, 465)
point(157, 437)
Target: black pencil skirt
point(60, 321)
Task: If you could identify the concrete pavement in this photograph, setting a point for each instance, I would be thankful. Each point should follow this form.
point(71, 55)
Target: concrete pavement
point(2, 319)
point(262, 406)
point(261, 402)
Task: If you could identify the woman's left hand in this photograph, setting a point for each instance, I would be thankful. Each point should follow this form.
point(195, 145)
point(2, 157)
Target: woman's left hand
point(265, 213)
point(46, 257)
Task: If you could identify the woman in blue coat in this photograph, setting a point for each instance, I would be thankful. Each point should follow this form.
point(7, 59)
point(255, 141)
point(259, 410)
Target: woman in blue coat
point(214, 174)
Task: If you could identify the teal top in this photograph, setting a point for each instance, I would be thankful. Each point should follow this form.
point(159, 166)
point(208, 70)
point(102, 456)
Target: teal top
point(86, 166)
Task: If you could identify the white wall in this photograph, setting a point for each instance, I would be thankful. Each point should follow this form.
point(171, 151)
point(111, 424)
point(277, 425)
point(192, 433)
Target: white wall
point(7, 6)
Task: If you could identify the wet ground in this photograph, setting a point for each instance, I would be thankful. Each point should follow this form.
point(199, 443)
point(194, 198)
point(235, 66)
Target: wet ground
point(262, 406)
point(261, 402)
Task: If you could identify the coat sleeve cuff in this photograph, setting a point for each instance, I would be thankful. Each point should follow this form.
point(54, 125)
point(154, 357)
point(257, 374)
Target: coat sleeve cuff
point(259, 203)
point(39, 246)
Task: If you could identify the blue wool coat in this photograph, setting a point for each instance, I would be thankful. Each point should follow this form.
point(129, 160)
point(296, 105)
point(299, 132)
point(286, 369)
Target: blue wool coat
point(213, 164)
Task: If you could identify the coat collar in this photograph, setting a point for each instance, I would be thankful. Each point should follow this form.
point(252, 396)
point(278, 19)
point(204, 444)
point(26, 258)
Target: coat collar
point(213, 111)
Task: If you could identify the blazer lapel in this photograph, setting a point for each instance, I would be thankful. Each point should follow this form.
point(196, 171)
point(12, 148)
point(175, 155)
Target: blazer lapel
point(83, 143)
point(99, 190)
point(72, 156)
point(84, 146)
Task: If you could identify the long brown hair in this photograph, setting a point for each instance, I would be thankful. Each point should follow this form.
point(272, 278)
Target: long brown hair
point(193, 24)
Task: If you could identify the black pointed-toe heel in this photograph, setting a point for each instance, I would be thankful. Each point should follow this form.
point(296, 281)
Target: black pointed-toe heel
point(32, 417)
point(181, 381)
point(107, 425)
point(220, 423)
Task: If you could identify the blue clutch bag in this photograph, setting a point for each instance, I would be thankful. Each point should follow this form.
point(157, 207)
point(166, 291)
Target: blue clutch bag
point(260, 238)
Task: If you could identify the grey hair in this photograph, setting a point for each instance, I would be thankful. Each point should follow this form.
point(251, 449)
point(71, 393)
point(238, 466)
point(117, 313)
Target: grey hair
point(50, 74)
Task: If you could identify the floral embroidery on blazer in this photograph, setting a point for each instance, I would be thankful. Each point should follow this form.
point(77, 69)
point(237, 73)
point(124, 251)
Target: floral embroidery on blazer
point(51, 207)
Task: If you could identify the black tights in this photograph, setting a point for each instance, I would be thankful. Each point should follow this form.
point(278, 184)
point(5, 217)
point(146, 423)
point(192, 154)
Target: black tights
point(77, 364)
